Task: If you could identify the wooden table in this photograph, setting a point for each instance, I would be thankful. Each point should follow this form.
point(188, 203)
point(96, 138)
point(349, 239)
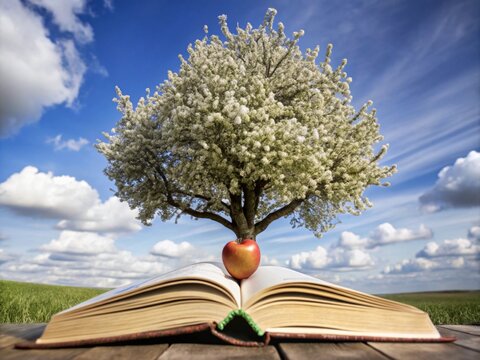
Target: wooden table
point(467, 346)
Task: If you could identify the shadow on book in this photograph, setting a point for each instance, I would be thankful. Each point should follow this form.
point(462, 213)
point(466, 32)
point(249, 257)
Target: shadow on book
point(236, 332)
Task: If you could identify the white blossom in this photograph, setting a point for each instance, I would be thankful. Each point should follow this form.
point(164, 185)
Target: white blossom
point(253, 120)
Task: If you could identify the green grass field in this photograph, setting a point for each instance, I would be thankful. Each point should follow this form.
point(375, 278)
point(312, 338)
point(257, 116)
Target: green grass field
point(445, 307)
point(29, 303)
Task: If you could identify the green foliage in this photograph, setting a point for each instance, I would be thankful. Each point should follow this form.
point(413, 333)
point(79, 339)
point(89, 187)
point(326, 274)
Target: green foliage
point(31, 303)
point(446, 307)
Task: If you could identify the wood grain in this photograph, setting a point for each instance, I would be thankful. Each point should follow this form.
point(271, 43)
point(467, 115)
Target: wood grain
point(7, 341)
point(469, 329)
point(143, 352)
point(321, 351)
point(463, 339)
point(60, 354)
point(10, 334)
point(14, 333)
point(217, 352)
point(23, 331)
point(424, 351)
point(466, 347)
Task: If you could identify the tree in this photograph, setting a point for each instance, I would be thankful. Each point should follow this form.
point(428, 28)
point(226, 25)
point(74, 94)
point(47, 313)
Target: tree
point(248, 131)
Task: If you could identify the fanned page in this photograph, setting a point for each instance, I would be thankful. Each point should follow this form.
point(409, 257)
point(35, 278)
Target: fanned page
point(268, 276)
point(281, 300)
point(213, 272)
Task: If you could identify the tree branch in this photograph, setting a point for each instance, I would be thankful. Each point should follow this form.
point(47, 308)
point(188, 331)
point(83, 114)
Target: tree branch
point(277, 214)
point(192, 212)
point(201, 214)
point(201, 197)
point(281, 60)
point(188, 210)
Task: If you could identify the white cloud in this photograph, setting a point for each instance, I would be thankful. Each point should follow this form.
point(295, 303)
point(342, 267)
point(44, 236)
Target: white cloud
point(336, 258)
point(80, 243)
point(355, 259)
point(383, 234)
point(91, 259)
point(454, 247)
point(315, 259)
point(87, 259)
point(34, 193)
point(266, 260)
point(4, 257)
point(457, 262)
point(474, 233)
point(109, 216)
point(447, 255)
point(386, 234)
point(458, 186)
point(350, 251)
point(350, 240)
point(70, 144)
point(36, 71)
point(171, 249)
point(75, 203)
point(65, 15)
point(410, 265)
point(418, 265)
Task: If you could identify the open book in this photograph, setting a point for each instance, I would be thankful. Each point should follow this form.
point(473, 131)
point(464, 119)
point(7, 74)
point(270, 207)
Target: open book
point(275, 302)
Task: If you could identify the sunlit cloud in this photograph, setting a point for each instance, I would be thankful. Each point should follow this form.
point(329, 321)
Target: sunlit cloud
point(74, 203)
point(457, 186)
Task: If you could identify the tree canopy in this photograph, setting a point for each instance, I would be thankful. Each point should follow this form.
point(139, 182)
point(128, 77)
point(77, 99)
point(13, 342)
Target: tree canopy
point(249, 130)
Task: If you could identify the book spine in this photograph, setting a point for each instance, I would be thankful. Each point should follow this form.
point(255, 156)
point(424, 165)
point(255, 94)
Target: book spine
point(240, 312)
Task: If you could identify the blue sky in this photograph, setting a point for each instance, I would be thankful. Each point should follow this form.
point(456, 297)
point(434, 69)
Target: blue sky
point(60, 61)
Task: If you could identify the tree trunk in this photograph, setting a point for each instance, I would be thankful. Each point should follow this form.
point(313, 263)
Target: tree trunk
point(245, 233)
point(241, 226)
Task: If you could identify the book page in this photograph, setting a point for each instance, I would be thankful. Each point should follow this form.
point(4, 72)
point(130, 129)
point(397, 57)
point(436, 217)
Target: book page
point(379, 334)
point(214, 272)
point(268, 276)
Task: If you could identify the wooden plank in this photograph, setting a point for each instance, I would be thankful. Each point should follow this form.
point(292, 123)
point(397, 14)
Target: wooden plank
point(144, 352)
point(7, 341)
point(463, 339)
point(14, 333)
point(23, 331)
point(469, 329)
point(10, 334)
point(320, 351)
point(60, 354)
point(427, 351)
point(217, 352)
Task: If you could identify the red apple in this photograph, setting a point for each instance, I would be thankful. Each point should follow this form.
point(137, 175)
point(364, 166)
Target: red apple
point(241, 259)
